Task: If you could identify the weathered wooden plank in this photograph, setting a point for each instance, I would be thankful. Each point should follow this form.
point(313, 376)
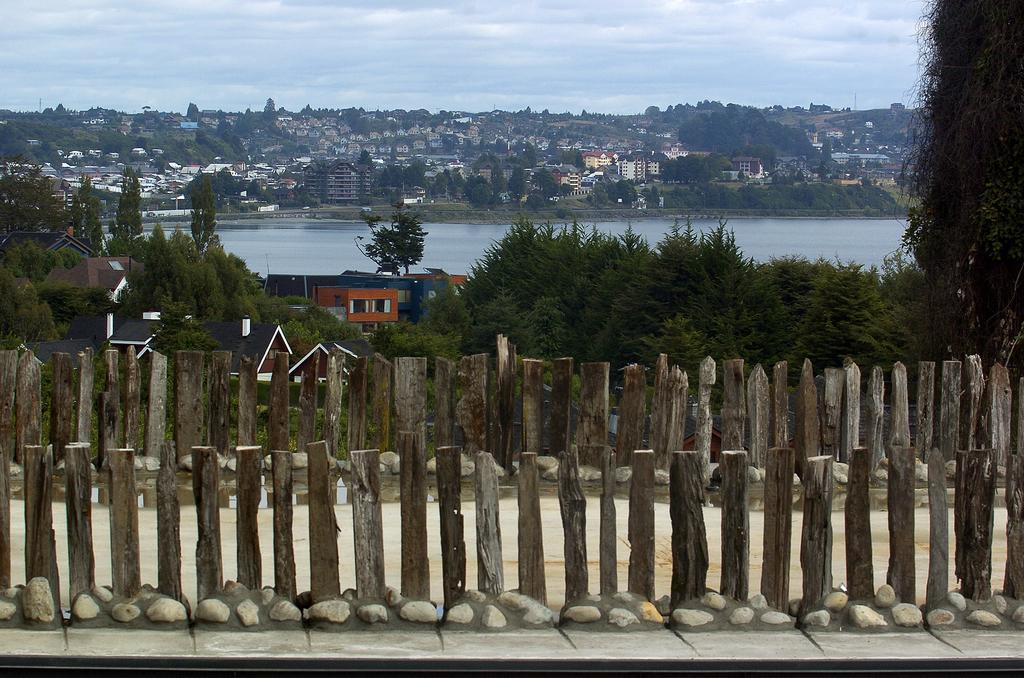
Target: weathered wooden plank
point(758, 411)
point(980, 486)
point(8, 386)
point(629, 434)
point(780, 464)
point(734, 413)
point(816, 535)
point(592, 432)
point(278, 429)
point(78, 504)
point(449, 504)
point(357, 404)
point(107, 427)
point(850, 437)
point(704, 420)
point(735, 525)
point(61, 403)
point(324, 576)
point(899, 409)
point(678, 408)
point(960, 496)
point(832, 412)
point(132, 400)
point(689, 537)
point(531, 531)
point(188, 403)
point(925, 438)
point(561, 406)
point(415, 555)
point(1013, 581)
point(112, 388)
point(86, 372)
point(247, 401)
point(780, 404)
point(608, 540)
point(411, 396)
point(641, 525)
point(807, 441)
point(332, 400)
point(156, 405)
point(205, 483)
point(860, 574)
point(938, 531)
point(308, 405)
point(949, 412)
point(505, 375)
point(284, 552)
point(249, 483)
point(444, 403)
point(973, 385)
point(219, 436)
point(876, 415)
point(490, 572)
point(126, 575)
point(902, 568)
point(168, 525)
point(28, 403)
point(367, 529)
point(533, 406)
point(1000, 412)
point(573, 507)
point(383, 376)
point(40, 539)
point(661, 412)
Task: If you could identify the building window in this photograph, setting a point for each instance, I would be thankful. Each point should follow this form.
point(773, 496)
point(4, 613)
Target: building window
point(360, 306)
point(337, 300)
point(404, 296)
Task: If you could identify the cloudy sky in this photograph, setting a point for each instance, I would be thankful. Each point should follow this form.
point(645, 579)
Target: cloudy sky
point(599, 55)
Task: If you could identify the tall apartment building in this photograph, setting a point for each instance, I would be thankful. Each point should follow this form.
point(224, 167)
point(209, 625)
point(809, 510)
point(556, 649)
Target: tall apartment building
point(339, 182)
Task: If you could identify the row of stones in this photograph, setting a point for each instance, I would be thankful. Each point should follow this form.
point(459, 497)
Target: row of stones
point(905, 615)
point(756, 607)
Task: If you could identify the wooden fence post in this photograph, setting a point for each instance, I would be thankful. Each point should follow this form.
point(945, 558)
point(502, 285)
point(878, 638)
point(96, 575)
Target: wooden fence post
point(449, 503)
point(86, 371)
point(247, 401)
point(876, 415)
point(949, 413)
point(780, 404)
point(780, 464)
point(383, 376)
point(533, 406)
point(444, 403)
point(249, 482)
point(61, 404)
point(357, 404)
point(980, 485)
point(78, 503)
point(902, 569)
point(113, 390)
point(1013, 582)
point(490, 573)
point(531, 531)
point(689, 538)
point(156, 407)
point(661, 411)
point(1000, 404)
point(168, 519)
point(608, 543)
point(124, 523)
point(938, 530)
point(505, 374)
point(704, 420)
point(832, 413)
point(219, 377)
point(471, 410)
point(925, 407)
point(205, 483)
point(188, 402)
point(808, 431)
point(306, 433)
point(735, 525)
point(107, 427)
point(367, 530)
point(323, 526)
point(132, 400)
point(899, 409)
point(27, 402)
point(332, 400)
point(415, 556)
point(677, 408)
point(973, 385)
point(284, 552)
point(758, 412)
point(734, 413)
point(278, 427)
point(592, 432)
point(561, 406)
point(816, 537)
point(411, 396)
point(40, 540)
point(850, 435)
point(629, 435)
point(860, 577)
point(8, 385)
point(573, 505)
point(641, 525)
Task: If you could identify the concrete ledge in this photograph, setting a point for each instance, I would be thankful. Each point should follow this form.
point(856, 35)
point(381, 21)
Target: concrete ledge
point(25, 642)
point(548, 644)
point(269, 644)
point(128, 643)
point(882, 645)
point(648, 645)
point(984, 644)
point(774, 645)
point(373, 644)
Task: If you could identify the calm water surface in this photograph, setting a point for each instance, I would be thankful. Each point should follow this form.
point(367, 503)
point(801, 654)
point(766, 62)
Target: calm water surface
point(321, 246)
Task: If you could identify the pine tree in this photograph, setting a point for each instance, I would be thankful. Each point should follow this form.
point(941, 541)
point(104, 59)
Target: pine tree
point(204, 215)
point(128, 220)
point(85, 216)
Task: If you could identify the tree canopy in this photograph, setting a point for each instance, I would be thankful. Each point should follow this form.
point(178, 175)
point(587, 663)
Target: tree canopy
point(397, 244)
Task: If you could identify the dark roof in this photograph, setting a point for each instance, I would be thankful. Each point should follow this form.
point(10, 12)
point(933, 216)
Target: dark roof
point(48, 240)
point(360, 347)
point(228, 336)
point(135, 331)
point(288, 285)
point(44, 350)
point(92, 328)
point(103, 272)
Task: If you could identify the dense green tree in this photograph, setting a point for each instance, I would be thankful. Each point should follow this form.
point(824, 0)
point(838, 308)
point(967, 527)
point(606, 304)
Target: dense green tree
point(128, 220)
point(29, 260)
point(178, 331)
point(393, 340)
point(85, 216)
point(27, 201)
point(517, 183)
point(478, 191)
point(398, 244)
point(204, 216)
point(23, 317)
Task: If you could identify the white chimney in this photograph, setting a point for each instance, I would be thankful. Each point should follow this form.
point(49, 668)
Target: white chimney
point(110, 325)
point(246, 326)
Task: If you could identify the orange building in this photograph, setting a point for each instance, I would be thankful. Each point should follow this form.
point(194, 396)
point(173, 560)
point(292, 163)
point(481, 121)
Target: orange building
point(366, 307)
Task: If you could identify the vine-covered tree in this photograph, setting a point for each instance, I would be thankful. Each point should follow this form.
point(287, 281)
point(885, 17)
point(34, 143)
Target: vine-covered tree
point(969, 175)
point(398, 244)
point(85, 216)
point(204, 215)
point(128, 220)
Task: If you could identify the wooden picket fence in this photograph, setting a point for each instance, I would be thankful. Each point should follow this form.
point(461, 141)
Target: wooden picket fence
point(478, 399)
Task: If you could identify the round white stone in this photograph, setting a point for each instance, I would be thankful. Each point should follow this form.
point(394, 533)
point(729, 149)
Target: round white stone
point(166, 610)
point(687, 617)
point(248, 613)
point(7, 610)
point(1018, 614)
point(460, 614)
point(741, 615)
point(864, 617)
point(1000, 603)
point(475, 596)
point(906, 614)
point(284, 611)
point(582, 614)
point(513, 600)
point(984, 618)
point(213, 610)
point(37, 601)
point(661, 477)
point(124, 612)
point(333, 611)
point(300, 460)
point(621, 617)
point(713, 600)
point(374, 613)
point(758, 601)
point(492, 618)
point(85, 607)
point(836, 601)
point(957, 600)
point(420, 611)
point(538, 615)
point(623, 474)
point(545, 462)
point(818, 618)
point(102, 593)
point(940, 617)
point(773, 617)
point(267, 595)
point(885, 596)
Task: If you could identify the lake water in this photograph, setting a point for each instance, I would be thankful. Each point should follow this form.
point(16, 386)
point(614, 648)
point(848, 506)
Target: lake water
point(321, 246)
